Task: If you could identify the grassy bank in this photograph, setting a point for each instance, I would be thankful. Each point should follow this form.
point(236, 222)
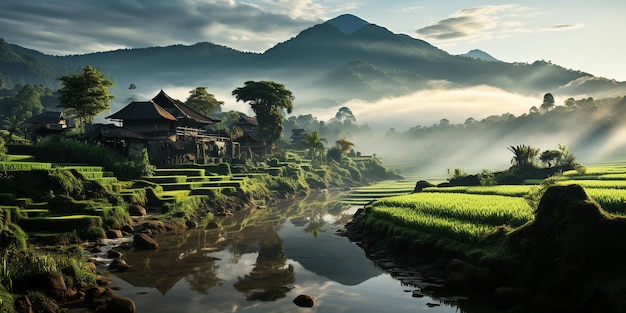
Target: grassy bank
point(48, 206)
point(556, 237)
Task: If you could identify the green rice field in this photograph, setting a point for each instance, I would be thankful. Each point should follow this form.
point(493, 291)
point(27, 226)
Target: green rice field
point(469, 213)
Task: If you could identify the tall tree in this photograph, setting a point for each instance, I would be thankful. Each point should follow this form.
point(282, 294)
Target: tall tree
point(25, 104)
point(548, 103)
point(85, 95)
point(204, 102)
point(268, 100)
point(344, 115)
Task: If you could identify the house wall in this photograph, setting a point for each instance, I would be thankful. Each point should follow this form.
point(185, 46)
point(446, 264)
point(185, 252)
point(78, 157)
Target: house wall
point(154, 129)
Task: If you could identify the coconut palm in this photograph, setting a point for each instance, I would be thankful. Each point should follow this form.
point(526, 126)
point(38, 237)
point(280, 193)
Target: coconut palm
point(523, 156)
point(315, 144)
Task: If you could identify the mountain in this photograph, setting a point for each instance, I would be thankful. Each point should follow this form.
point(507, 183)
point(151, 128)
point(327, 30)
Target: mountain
point(347, 23)
point(479, 55)
point(327, 64)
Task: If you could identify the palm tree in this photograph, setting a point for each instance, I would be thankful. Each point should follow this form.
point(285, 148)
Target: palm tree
point(12, 124)
point(344, 145)
point(523, 156)
point(315, 144)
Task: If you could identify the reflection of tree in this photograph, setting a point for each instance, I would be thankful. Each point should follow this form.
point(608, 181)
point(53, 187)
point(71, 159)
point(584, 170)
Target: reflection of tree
point(269, 278)
point(316, 221)
point(204, 278)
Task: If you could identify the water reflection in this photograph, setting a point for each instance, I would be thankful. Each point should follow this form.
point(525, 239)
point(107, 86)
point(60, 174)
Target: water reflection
point(259, 261)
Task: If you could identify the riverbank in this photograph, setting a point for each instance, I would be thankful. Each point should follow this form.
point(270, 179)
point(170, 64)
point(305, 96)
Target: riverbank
point(562, 261)
point(45, 204)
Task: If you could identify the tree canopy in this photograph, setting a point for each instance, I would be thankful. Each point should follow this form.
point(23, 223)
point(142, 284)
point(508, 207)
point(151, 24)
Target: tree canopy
point(268, 100)
point(85, 95)
point(204, 102)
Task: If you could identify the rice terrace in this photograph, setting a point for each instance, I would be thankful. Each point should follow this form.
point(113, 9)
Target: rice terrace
point(296, 163)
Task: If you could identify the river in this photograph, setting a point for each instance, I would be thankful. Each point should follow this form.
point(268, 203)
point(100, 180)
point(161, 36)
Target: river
point(259, 261)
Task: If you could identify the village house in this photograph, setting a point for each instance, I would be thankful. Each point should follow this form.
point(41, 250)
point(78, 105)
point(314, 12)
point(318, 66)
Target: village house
point(172, 132)
point(47, 124)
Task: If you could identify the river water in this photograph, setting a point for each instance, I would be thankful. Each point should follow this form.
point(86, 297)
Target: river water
point(259, 261)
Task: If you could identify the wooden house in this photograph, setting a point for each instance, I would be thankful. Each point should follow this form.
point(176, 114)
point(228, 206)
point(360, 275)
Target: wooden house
point(46, 124)
point(250, 142)
point(174, 132)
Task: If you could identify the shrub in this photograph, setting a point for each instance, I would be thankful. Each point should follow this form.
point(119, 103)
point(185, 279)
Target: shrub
point(92, 233)
point(12, 237)
point(58, 150)
point(115, 217)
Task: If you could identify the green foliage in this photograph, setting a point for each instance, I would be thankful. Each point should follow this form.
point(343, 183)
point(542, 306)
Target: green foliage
point(6, 299)
point(204, 102)
point(91, 233)
point(57, 150)
point(115, 217)
point(267, 99)
point(85, 95)
point(12, 238)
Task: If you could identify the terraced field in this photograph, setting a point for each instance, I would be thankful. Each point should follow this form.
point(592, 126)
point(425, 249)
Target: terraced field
point(363, 195)
point(469, 213)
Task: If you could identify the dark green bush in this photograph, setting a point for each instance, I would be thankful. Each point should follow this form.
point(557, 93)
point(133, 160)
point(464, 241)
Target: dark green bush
point(115, 217)
point(59, 150)
point(12, 237)
point(92, 233)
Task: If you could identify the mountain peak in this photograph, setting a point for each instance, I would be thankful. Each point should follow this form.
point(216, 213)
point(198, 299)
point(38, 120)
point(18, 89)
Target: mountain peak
point(479, 55)
point(347, 23)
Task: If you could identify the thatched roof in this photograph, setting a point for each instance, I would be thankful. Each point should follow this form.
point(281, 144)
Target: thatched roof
point(178, 109)
point(142, 110)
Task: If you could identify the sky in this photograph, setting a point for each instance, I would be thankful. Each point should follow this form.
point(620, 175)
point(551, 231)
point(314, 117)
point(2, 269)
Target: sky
point(581, 35)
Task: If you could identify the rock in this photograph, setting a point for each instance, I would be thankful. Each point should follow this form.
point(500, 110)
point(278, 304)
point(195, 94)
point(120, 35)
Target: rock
point(93, 293)
point(128, 229)
point(114, 254)
point(118, 265)
point(417, 294)
point(306, 301)
point(459, 275)
point(145, 242)
point(119, 305)
point(114, 234)
point(137, 210)
point(92, 267)
point(508, 297)
point(51, 285)
point(23, 305)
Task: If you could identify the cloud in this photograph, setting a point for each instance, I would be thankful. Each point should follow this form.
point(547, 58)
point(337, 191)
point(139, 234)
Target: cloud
point(428, 107)
point(73, 27)
point(562, 27)
point(480, 23)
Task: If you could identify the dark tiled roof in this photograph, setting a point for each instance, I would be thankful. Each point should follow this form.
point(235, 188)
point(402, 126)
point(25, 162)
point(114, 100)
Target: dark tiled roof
point(244, 119)
point(142, 110)
point(178, 109)
point(112, 131)
point(46, 118)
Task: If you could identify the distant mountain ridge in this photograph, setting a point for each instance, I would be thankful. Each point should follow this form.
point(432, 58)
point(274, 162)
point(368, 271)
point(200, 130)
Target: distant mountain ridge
point(327, 64)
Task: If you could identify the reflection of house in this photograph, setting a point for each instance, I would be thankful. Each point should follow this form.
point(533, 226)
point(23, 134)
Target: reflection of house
point(47, 123)
point(174, 132)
